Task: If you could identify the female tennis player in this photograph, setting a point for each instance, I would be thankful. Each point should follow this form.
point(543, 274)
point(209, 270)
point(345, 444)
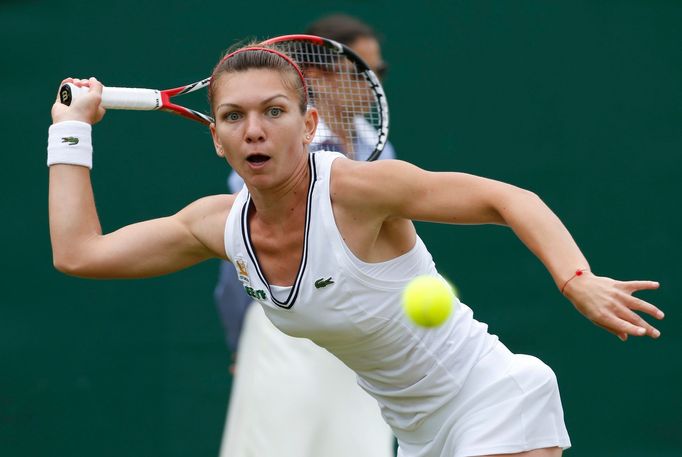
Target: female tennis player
point(326, 245)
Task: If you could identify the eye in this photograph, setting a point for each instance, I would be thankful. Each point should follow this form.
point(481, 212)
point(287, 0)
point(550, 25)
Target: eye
point(232, 116)
point(275, 111)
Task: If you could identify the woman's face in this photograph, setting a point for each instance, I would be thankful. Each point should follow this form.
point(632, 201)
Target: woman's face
point(259, 127)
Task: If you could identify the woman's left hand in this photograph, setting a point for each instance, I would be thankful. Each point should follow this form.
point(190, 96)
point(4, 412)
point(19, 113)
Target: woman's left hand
point(609, 304)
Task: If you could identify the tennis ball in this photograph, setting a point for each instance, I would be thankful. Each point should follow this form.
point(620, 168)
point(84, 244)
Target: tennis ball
point(427, 301)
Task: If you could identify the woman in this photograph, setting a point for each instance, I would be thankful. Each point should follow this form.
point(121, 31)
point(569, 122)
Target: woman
point(452, 391)
point(279, 379)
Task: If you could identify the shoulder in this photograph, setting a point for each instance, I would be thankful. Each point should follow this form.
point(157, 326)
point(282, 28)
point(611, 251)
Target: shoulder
point(365, 199)
point(370, 183)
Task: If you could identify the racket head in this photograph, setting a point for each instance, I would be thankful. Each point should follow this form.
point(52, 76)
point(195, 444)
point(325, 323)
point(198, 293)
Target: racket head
point(347, 93)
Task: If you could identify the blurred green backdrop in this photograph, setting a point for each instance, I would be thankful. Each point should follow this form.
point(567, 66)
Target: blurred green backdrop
point(580, 101)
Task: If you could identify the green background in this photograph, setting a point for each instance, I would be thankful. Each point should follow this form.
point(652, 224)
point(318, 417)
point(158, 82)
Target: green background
point(580, 101)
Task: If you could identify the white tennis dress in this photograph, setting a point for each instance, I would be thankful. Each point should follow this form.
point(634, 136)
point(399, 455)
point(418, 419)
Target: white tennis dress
point(451, 391)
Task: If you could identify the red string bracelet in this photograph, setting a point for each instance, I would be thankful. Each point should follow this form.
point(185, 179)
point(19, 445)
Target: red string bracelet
point(577, 273)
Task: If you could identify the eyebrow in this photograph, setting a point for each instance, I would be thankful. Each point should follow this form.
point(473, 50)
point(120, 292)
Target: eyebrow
point(264, 102)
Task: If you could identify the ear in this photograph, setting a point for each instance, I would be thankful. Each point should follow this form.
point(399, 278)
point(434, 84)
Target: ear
point(216, 142)
point(312, 117)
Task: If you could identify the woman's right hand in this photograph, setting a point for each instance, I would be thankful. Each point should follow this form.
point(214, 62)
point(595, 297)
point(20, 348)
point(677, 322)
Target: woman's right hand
point(86, 108)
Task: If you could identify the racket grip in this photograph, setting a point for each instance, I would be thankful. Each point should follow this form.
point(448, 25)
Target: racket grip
point(115, 97)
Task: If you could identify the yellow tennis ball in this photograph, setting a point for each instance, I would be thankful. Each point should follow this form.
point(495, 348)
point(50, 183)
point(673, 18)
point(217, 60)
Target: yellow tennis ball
point(427, 300)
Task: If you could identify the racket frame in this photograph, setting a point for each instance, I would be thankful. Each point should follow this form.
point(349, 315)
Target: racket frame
point(152, 99)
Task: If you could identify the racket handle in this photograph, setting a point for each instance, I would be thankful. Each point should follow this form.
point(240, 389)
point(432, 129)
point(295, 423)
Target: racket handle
point(115, 97)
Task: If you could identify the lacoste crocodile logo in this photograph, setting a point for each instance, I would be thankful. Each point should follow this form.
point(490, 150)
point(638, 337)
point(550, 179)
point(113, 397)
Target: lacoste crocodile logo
point(72, 140)
point(320, 283)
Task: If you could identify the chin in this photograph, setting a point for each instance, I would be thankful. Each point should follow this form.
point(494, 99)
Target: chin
point(262, 182)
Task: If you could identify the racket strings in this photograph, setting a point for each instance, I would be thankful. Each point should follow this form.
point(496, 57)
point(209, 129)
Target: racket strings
point(343, 94)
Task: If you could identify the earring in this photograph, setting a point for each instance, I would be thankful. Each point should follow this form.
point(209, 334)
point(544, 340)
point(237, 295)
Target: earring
point(307, 137)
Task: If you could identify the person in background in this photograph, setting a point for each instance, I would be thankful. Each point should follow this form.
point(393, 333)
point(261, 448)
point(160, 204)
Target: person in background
point(281, 380)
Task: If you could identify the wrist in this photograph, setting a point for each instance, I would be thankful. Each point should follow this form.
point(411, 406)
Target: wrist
point(70, 117)
point(576, 274)
point(70, 142)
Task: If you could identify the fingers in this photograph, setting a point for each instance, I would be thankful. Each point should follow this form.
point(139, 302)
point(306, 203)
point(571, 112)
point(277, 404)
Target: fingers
point(621, 336)
point(86, 107)
point(643, 306)
point(78, 82)
point(634, 303)
point(92, 83)
point(643, 327)
point(95, 86)
point(622, 326)
point(623, 322)
point(634, 286)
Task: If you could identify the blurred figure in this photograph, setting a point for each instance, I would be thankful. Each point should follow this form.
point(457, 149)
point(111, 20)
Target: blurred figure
point(289, 396)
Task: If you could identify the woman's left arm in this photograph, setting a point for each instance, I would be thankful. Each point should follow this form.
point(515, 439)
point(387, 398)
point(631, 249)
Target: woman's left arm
point(403, 190)
point(606, 302)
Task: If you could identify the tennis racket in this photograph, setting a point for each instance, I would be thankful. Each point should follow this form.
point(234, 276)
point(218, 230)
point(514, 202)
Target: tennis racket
point(349, 96)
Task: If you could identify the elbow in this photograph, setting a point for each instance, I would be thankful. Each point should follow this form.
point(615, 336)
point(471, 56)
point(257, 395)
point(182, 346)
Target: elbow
point(516, 204)
point(525, 198)
point(69, 264)
point(65, 265)
point(74, 257)
point(521, 193)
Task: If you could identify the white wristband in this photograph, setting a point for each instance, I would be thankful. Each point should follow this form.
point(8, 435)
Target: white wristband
point(70, 142)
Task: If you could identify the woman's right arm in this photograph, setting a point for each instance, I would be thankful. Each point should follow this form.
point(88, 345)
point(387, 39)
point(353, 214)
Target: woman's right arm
point(144, 249)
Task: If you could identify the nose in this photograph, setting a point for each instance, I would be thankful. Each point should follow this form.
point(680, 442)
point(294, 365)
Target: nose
point(254, 131)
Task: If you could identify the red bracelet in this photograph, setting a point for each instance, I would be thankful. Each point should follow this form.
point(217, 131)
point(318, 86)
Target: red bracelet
point(577, 273)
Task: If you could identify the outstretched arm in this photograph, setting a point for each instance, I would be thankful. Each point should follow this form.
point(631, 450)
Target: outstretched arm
point(148, 248)
point(394, 189)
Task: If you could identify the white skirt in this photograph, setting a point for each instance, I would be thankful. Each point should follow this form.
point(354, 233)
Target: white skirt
point(509, 403)
point(291, 398)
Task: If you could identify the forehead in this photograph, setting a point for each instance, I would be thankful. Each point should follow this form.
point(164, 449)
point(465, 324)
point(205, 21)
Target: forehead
point(258, 81)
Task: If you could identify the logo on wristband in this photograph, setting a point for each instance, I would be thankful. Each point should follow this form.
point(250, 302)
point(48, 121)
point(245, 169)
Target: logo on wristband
point(72, 140)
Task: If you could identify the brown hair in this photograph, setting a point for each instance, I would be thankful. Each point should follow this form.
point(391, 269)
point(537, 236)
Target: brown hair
point(342, 28)
point(255, 56)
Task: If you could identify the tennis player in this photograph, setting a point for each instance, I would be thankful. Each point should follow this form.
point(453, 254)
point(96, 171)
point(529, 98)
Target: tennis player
point(278, 378)
point(326, 245)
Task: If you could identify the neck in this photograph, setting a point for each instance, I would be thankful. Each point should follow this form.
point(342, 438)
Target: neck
point(275, 206)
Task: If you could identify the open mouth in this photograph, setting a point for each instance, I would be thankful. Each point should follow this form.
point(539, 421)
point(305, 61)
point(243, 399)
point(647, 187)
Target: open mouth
point(257, 159)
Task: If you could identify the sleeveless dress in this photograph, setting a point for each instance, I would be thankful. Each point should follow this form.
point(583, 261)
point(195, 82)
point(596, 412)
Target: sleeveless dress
point(425, 380)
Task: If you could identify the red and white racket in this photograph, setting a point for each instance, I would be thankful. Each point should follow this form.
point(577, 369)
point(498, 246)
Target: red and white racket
point(346, 92)
point(128, 98)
